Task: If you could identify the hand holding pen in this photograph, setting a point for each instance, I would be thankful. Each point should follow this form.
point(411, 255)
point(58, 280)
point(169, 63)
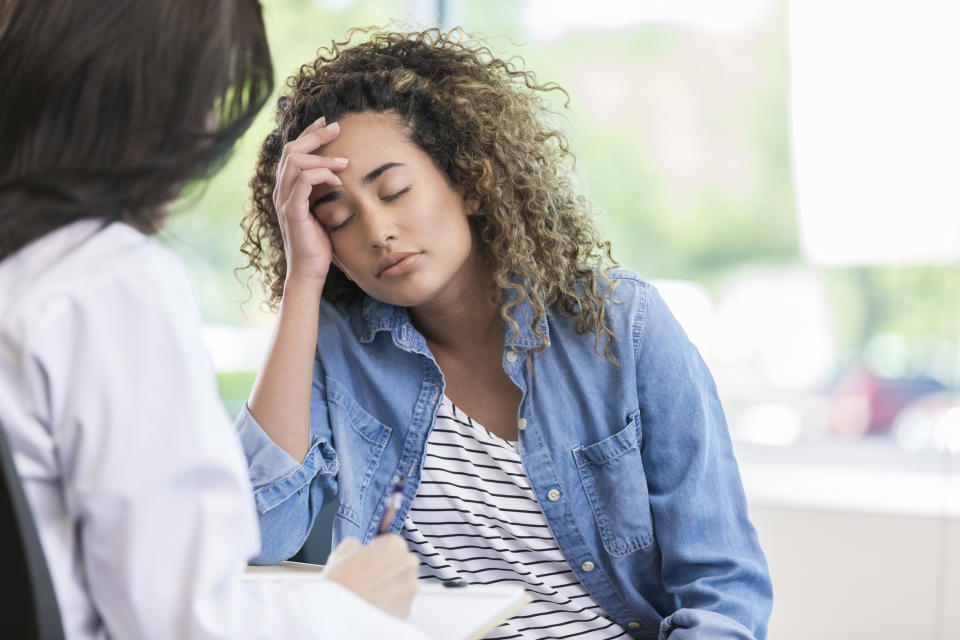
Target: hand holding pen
point(384, 573)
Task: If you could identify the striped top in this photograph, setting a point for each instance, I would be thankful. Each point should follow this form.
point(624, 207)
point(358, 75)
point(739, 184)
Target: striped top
point(476, 517)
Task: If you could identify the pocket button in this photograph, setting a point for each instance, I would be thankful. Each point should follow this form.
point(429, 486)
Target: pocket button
point(511, 356)
point(553, 495)
point(522, 424)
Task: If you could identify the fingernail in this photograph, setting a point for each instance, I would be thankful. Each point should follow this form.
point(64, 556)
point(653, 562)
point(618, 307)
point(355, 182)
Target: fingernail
point(322, 120)
point(341, 161)
point(333, 125)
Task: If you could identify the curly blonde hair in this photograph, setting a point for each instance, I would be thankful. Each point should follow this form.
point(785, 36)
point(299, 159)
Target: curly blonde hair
point(484, 123)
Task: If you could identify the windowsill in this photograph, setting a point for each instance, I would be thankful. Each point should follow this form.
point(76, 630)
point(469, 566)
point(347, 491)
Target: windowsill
point(864, 477)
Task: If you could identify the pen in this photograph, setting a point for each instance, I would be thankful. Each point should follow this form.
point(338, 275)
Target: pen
point(394, 500)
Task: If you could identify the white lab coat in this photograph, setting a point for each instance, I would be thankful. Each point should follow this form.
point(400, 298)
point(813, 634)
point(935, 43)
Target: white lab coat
point(129, 462)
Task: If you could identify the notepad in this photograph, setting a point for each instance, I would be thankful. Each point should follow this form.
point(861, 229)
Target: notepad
point(443, 613)
point(285, 570)
point(464, 613)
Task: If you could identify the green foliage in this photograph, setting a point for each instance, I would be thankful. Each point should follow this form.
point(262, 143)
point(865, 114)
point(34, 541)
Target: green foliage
point(235, 387)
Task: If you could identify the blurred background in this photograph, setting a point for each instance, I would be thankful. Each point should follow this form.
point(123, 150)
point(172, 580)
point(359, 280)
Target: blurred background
point(786, 172)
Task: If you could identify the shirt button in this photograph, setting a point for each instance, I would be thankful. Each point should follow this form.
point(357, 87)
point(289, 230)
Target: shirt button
point(522, 424)
point(511, 356)
point(633, 624)
point(553, 495)
point(587, 566)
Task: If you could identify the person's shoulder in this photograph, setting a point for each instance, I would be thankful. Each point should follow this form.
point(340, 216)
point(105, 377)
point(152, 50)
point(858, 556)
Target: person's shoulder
point(622, 273)
point(121, 262)
point(612, 283)
point(88, 267)
point(89, 253)
point(120, 244)
point(629, 303)
point(627, 287)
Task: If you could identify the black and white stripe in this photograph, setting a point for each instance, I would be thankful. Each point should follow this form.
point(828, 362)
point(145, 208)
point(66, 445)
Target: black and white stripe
point(476, 517)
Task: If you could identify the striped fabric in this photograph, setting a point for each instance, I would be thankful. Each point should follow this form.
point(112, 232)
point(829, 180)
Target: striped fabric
point(476, 517)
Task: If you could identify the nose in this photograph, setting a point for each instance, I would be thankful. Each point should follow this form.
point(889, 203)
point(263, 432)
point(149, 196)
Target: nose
point(379, 226)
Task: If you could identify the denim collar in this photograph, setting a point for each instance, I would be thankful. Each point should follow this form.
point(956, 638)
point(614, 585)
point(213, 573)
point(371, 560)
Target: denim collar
point(376, 316)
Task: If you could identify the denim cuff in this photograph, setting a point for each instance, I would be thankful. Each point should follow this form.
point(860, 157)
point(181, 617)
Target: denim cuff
point(274, 473)
point(692, 624)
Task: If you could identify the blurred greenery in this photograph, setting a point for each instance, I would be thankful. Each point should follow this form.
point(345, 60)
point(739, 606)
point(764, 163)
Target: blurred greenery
point(235, 388)
point(682, 143)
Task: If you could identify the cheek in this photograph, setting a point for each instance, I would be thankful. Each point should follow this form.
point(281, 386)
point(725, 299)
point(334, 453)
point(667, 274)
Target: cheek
point(458, 228)
point(342, 254)
point(445, 218)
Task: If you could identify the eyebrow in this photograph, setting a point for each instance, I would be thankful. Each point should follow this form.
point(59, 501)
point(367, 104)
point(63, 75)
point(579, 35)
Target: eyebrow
point(376, 173)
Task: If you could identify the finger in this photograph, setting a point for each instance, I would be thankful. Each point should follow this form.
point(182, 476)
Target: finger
point(311, 141)
point(299, 162)
point(297, 203)
point(390, 545)
point(405, 567)
point(313, 126)
point(306, 143)
point(346, 548)
point(399, 563)
point(319, 123)
point(393, 540)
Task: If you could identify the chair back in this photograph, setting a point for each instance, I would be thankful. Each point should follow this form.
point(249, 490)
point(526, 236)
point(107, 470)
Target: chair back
point(28, 608)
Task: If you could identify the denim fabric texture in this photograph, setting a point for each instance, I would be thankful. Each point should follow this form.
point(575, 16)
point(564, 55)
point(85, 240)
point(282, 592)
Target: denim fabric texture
point(651, 514)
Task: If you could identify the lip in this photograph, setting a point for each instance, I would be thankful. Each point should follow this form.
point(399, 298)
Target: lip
point(397, 263)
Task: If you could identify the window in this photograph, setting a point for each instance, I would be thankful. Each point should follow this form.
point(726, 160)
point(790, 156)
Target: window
point(786, 174)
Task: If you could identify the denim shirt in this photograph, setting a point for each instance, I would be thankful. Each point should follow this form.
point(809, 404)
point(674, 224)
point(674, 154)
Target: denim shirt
point(631, 463)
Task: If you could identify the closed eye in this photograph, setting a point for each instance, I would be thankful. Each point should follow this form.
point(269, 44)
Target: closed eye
point(394, 196)
point(329, 197)
point(336, 194)
point(338, 226)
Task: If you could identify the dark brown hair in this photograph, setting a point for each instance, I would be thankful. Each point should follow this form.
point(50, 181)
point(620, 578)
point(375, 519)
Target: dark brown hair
point(108, 109)
point(487, 126)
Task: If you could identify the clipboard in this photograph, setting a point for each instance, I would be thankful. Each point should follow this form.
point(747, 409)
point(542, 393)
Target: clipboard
point(443, 613)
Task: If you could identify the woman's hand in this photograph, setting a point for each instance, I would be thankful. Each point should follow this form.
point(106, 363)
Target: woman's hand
point(384, 573)
point(305, 242)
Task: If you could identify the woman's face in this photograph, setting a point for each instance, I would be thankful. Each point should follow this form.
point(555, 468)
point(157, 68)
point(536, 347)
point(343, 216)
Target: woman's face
point(398, 228)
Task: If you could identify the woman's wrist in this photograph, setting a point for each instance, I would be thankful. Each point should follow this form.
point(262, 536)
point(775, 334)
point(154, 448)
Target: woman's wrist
point(304, 286)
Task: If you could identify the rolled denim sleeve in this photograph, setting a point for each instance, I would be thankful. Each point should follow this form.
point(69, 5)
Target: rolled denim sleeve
point(695, 624)
point(711, 558)
point(285, 491)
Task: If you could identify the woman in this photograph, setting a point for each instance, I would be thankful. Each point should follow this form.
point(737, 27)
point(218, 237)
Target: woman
point(415, 218)
point(136, 482)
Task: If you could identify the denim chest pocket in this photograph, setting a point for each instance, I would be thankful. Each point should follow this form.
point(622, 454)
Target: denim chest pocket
point(616, 487)
point(360, 440)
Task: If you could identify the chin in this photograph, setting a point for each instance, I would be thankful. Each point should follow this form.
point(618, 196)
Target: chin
point(401, 296)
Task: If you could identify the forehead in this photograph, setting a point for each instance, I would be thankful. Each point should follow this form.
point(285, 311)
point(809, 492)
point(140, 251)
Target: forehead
point(370, 137)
